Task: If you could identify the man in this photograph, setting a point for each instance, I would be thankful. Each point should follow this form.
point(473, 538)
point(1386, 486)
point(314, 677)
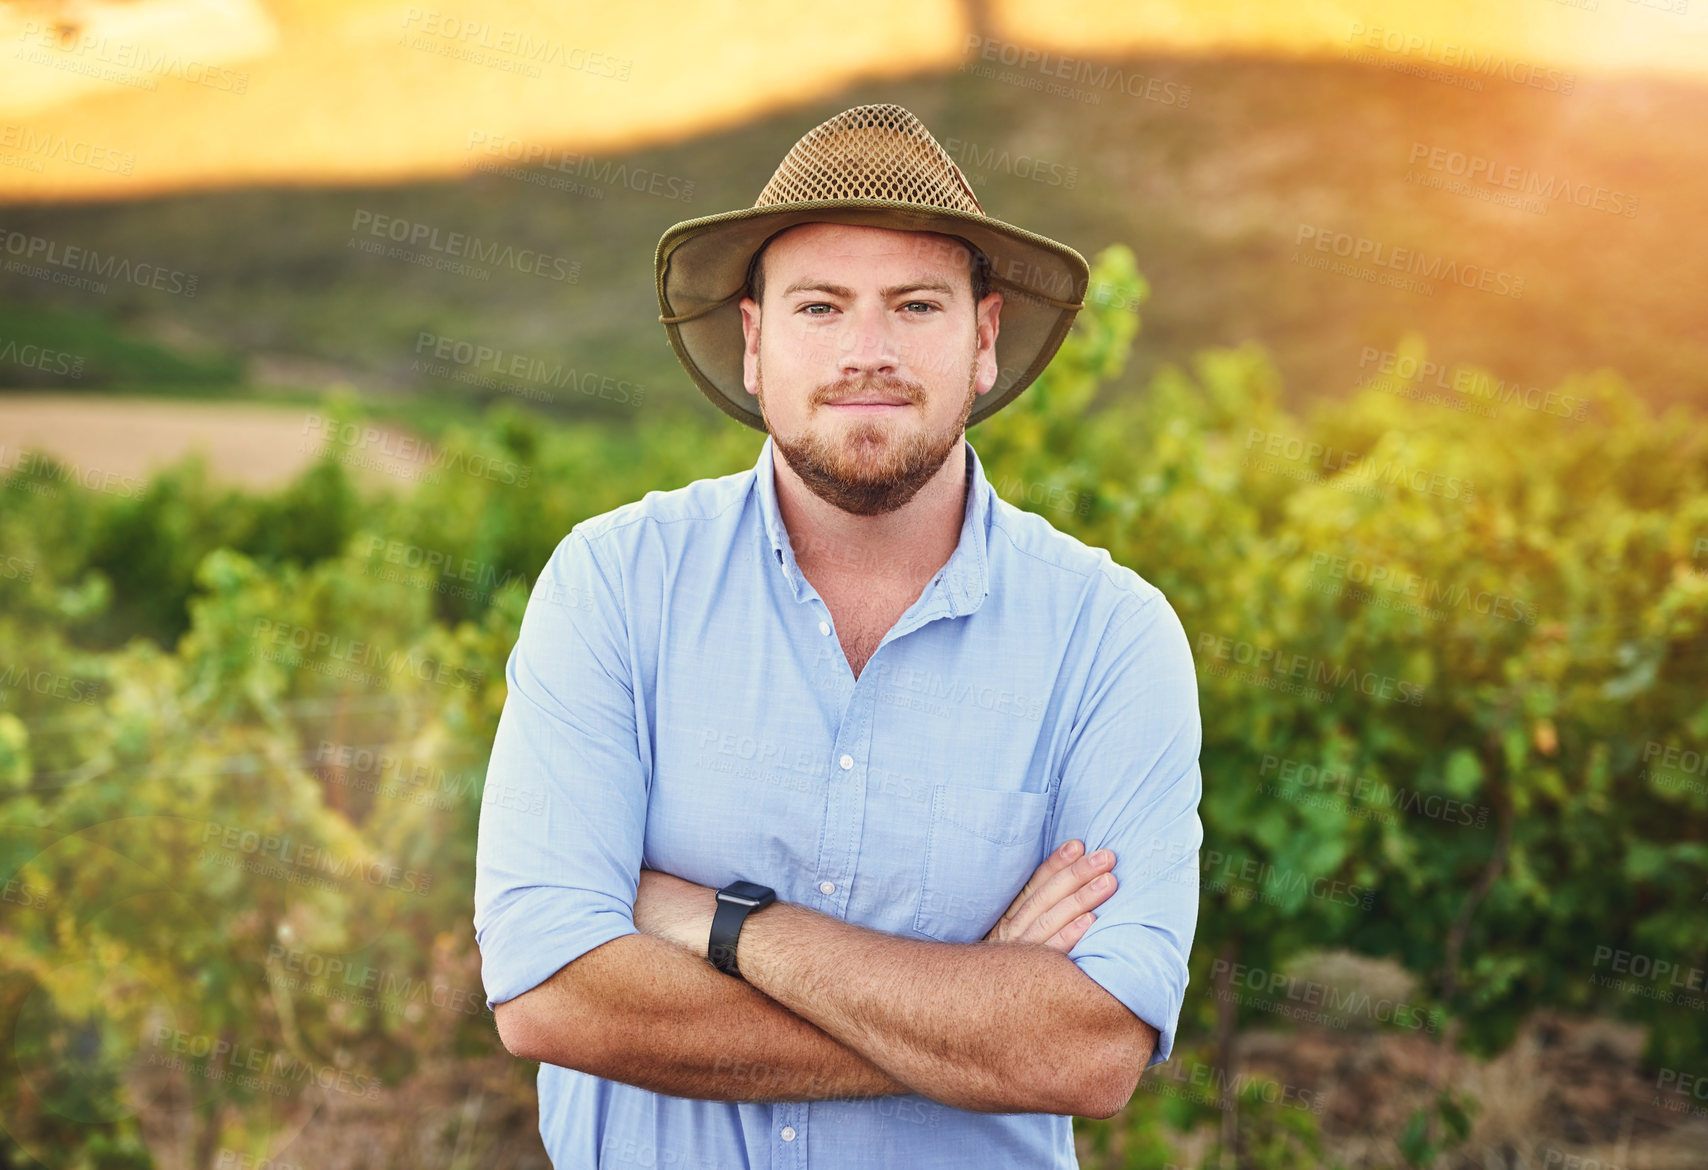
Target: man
point(801, 734)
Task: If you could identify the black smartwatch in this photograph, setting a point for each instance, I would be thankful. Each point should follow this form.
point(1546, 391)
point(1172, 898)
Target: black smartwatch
point(735, 902)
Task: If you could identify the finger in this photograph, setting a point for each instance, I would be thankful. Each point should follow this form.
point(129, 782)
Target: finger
point(1057, 861)
point(1087, 897)
point(1059, 885)
point(1053, 864)
point(1065, 939)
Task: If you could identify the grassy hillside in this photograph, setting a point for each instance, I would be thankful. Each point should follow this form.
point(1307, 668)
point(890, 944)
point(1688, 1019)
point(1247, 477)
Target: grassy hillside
point(1212, 196)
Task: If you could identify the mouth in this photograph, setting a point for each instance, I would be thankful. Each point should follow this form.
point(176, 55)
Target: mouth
point(872, 402)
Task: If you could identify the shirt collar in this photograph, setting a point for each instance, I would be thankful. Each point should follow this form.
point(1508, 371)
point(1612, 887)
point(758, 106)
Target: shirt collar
point(964, 581)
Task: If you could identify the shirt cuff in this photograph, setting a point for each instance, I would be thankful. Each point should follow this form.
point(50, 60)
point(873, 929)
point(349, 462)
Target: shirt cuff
point(535, 938)
point(1151, 985)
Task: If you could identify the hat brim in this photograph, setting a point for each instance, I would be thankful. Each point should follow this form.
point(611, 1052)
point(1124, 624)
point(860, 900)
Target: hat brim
point(703, 263)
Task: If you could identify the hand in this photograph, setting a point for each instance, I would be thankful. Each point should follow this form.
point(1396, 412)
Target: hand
point(675, 909)
point(1054, 906)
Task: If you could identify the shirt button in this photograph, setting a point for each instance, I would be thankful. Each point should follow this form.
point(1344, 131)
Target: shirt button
point(824, 628)
point(847, 762)
point(788, 1133)
point(827, 887)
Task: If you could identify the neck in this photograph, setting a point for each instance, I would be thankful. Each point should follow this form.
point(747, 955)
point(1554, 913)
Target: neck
point(901, 547)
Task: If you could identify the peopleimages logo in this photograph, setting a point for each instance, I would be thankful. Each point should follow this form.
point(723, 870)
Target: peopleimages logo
point(971, 156)
point(1308, 783)
point(443, 564)
point(1429, 592)
point(63, 148)
point(1269, 662)
point(298, 646)
point(510, 49)
point(409, 235)
point(1476, 168)
point(36, 357)
point(362, 438)
point(581, 166)
point(1358, 469)
point(71, 45)
point(1668, 768)
point(1412, 262)
point(331, 975)
point(1073, 72)
point(1666, 980)
point(523, 374)
point(1466, 382)
point(51, 683)
point(1275, 883)
point(1294, 997)
point(1463, 57)
point(287, 851)
point(220, 1058)
point(1208, 1084)
point(56, 261)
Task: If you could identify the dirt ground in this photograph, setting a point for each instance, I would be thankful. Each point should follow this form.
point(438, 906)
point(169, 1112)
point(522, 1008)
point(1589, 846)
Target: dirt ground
point(1569, 1094)
point(250, 445)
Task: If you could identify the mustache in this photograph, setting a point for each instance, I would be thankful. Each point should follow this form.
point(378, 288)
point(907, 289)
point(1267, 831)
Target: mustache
point(869, 385)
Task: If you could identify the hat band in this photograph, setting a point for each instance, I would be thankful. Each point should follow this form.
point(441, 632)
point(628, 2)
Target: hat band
point(1075, 306)
point(711, 308)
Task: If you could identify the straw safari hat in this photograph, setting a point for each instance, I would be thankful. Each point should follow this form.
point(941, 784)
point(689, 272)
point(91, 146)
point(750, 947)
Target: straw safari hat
point(875, 165)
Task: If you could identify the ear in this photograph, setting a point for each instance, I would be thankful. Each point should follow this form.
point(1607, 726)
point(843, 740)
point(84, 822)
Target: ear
point(750, 344)
point(987, 317)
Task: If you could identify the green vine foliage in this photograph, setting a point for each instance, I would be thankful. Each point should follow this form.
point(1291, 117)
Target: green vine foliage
point(1442, 659)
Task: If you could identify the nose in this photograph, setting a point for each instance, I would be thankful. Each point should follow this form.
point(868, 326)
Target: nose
point(870, 348)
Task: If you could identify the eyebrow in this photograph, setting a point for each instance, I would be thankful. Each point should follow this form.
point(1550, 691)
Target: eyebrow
point(837, 290)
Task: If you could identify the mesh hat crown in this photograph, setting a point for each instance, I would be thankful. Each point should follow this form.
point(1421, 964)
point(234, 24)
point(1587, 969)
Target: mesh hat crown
point(875, 166)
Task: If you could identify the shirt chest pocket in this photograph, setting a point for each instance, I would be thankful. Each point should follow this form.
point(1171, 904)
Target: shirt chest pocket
point(981, 847)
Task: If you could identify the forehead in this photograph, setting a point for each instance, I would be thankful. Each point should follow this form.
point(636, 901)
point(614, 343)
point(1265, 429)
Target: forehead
point(819, 249)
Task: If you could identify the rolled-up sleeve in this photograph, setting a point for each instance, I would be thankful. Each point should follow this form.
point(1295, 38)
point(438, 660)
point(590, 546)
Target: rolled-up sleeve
point(1130, 783)
point(563, 814)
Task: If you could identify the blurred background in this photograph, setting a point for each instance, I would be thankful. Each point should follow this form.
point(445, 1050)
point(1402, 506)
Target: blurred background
point(321, 324)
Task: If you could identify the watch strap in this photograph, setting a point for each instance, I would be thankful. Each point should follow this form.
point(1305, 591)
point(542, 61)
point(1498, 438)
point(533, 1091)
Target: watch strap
point(735, 902)
point(726, 929)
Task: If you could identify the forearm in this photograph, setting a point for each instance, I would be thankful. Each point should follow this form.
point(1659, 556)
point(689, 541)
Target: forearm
point(651, 1014)
point(991, 1027)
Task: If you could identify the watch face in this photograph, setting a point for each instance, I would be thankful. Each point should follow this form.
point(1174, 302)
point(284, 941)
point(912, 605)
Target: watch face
point(747, 894)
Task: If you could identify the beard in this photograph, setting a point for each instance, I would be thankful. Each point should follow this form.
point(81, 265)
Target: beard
point(869, 470)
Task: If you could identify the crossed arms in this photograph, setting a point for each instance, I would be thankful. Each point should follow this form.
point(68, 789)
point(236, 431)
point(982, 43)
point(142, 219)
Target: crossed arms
point(829, 1009)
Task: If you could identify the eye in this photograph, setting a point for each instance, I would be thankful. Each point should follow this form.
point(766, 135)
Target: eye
point(807, 309)
point(920, 304)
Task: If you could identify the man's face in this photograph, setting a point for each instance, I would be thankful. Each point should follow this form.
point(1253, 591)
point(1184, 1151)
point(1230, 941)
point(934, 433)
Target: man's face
point(870, 358)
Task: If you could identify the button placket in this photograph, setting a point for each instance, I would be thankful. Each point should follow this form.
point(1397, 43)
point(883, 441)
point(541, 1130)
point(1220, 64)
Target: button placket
point(836, 820)
point(789, 1122)
point(845, 802)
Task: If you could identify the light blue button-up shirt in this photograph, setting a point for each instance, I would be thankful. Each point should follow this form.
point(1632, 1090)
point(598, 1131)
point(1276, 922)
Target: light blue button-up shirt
point(679, 700)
